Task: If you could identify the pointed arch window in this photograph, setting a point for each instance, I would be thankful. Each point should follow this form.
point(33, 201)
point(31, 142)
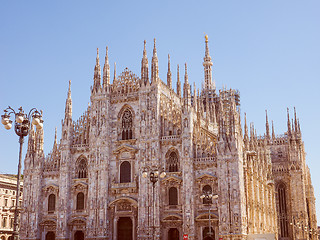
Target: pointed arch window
point(126, 125)
point(51, 203)
point(81, 168)
point(282, 201)
point(173, 196)
point(173, 162)
point(125, 172)
point(80, 201)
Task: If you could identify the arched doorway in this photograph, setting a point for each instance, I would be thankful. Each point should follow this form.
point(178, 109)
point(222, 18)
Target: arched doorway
point(50, 236)
point(79, 235)
point(207, 235)
point(173, 234)
point(124, 228)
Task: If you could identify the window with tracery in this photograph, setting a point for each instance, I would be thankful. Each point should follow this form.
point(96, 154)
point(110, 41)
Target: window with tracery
point(282, 201)
point(173, 196)
point(125, 172)
point(126, 125)
point(81, 168)
point(80, 201)
point(173, 162)
point(51, 203)
point(206, 190)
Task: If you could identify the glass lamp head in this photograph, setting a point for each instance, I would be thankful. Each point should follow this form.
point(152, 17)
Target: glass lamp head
point(163, 174)
point(8, 125)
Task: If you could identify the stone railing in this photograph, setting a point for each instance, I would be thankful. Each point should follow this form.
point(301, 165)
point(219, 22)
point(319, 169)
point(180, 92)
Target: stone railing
point(171, 137)
point(80, 145)
point(204, 160)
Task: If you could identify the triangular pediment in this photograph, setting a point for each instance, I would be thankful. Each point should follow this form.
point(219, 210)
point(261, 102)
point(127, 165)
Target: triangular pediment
point(172, 217)
point(51, 188)
point(125, 148)
point(80, 186)
point(48, 222)
point(205, 217)
point(172, 178)
point(206, 175)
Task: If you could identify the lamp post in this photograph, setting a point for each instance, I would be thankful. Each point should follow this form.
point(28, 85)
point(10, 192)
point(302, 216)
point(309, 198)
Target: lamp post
point(22, 125)
point(154, 175)
point(208, 196)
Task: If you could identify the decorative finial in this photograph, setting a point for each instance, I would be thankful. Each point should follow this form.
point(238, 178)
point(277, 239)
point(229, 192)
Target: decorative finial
point(206, 37)
point(144, 49)
point(154, 48)
point(55, 136)
point(97, 59)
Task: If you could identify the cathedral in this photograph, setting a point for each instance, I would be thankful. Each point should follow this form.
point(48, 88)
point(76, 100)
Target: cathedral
point(148, 162)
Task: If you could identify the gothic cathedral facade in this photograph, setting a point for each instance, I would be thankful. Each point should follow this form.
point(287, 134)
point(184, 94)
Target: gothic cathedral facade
point(105, 178)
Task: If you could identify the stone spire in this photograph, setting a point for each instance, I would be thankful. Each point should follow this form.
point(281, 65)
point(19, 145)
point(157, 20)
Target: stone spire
point(115, 72)
point(154, 65)
point(207, 64)
point(97, 74)
point(144, 66)
point(267, 126)
point(194, 96)
point(31, 142)
point(106, 71)
point(55, 138)
point(186, 87)
point(288, 123)
point(68, 109)
point(246, 134)
point(273, 134)
point(169, 76)
point(178, 82)
point(295, 121)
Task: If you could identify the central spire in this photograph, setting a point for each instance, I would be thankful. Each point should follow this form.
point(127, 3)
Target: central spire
point(207, 64)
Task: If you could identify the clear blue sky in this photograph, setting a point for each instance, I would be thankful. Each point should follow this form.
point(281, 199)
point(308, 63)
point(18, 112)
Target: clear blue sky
point(269, 50)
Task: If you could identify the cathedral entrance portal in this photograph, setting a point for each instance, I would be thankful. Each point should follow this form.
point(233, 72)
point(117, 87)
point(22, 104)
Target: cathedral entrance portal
point(173, 234)
point(50, 236)
point(124, 228)
point(208, 236)
point(79, 235)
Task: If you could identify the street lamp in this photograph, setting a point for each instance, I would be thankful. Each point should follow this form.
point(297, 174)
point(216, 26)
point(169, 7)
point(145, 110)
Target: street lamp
point(207, 195)
point(22, 125)
point(154, 175)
